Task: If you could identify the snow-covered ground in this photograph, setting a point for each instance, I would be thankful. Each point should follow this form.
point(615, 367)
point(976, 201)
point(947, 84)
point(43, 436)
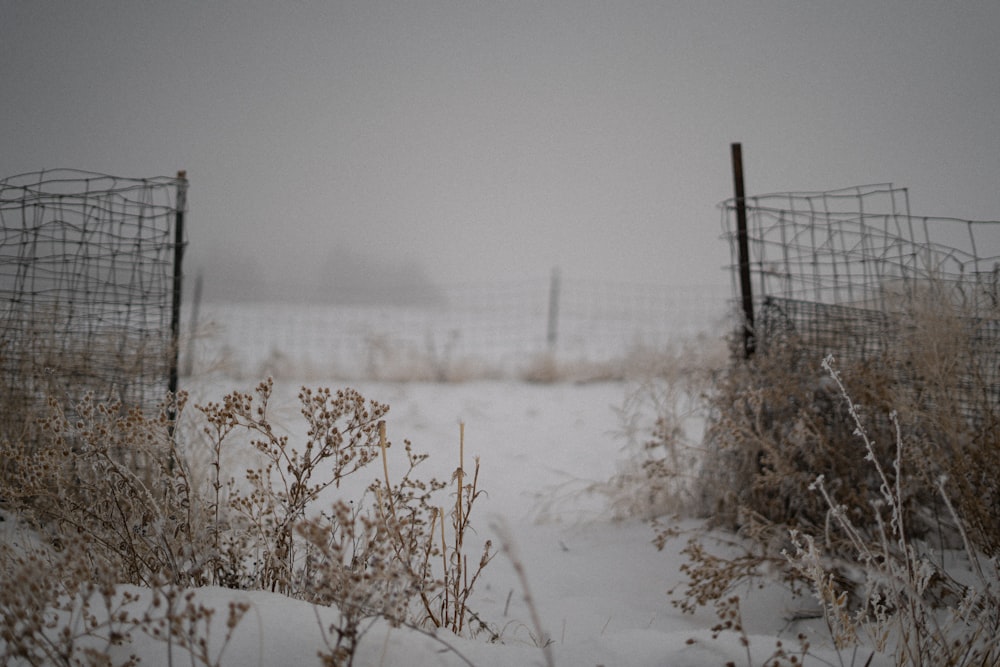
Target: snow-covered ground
point(599, 585)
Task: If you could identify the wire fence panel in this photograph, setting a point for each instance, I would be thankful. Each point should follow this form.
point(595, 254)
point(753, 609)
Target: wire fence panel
point(846, 272)
point(87, 292)
point(862, 246)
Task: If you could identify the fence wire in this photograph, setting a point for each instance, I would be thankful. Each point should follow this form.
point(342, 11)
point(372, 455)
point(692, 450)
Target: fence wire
point(862, 246)
point(845, 271)
point(477, 330)
point(87, 270)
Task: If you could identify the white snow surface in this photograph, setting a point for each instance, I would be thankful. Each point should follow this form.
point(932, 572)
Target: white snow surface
point(599, 585)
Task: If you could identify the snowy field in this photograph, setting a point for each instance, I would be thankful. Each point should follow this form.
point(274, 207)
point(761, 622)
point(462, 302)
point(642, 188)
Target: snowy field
point(596, 585)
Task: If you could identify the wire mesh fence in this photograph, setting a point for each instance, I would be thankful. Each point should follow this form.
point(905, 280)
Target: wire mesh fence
point(848, 272)
point(88, 291)
point(477, 330)
point(862, 246)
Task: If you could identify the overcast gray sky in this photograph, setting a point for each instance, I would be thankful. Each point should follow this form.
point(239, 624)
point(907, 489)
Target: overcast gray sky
point(493, 141)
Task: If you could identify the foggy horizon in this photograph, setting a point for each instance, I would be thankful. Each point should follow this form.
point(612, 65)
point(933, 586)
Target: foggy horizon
point(384, 150)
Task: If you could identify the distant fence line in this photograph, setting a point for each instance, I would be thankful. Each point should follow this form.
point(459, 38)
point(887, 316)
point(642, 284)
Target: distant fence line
point(89, 289)
point(497, 328)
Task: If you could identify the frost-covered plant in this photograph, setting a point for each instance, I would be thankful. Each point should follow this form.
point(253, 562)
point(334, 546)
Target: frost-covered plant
point(659, 417)
point(882, 587)
point(909, 604)
point(118, 479)
point(59, 608)
point(373, 558)
point(778, 421)
point(341, 440)
point(70, 616)
point(124, 498)
point(380, 562)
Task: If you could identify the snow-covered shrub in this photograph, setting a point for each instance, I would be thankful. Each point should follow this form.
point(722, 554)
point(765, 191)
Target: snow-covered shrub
point(115, 497)
point(872, 541)
point(117, 484)
point(660, 419)
point(869, 485)
point(779, 420)
point(909, 602)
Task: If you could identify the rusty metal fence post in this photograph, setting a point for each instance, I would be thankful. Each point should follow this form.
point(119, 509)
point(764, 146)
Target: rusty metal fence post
point(175, 313)
point(749, 341)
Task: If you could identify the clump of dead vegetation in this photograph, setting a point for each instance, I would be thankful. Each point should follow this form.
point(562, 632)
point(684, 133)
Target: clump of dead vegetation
point(115, 497)
point(864, 482)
